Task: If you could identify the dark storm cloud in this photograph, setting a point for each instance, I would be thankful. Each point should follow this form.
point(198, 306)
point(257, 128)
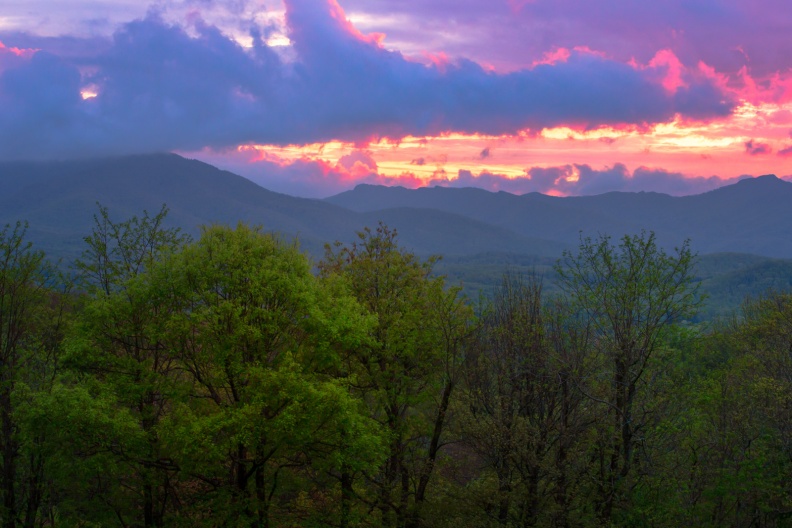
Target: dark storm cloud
point(161, 87)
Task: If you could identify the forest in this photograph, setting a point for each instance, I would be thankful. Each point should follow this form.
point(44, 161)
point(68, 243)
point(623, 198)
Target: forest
point(228, 380)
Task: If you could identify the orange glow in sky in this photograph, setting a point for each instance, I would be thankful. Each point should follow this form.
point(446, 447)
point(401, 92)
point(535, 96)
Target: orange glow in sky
point(537, 95)
point(756, 138)
point(694, 149)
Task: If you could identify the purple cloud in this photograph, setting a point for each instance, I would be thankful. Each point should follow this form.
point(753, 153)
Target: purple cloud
point(755, 148)
point(727, 35)
point(785, 152)
point(581, 180)
point(163, 88)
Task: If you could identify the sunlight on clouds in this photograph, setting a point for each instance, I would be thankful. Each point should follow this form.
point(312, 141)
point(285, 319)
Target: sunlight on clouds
point(277, 40)
point(769, 116)
point(677, 135)
point(363, 21)
point(693, 148)
point(574, 175)
point(598, 134)
point(7, 22)
point(89, 91)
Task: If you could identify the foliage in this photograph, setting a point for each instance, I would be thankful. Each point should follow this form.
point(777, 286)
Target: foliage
point(31, 315)
point(118, 251)
point(408, 369)
point(524, 411)
point(629, 294)
point(225, 381)
point(257, 338)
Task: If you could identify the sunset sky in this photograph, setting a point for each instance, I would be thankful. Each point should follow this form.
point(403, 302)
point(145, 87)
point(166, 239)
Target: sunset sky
point(310, 97)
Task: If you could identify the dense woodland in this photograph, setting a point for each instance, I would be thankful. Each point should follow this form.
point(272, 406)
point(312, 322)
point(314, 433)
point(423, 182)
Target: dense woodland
point(229, 381)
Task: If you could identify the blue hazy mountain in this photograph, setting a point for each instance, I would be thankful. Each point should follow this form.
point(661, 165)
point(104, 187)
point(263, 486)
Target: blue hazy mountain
point(59, 199)
point(751, 216)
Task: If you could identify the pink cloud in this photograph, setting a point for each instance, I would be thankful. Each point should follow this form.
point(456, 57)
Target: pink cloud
point(728, 36)
point(358, 165)
point(19, 52)
point(438, 60)
point(337, 14)
point(674, 70)
point(11, 57)
point(553, 57)
point(582, 179)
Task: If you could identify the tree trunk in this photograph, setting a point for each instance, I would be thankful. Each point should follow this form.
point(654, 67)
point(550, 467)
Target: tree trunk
point(263, 500)
point(34, 491)
point(10, 452)
point(346, 496)
point(434, 448)
point(148, 502)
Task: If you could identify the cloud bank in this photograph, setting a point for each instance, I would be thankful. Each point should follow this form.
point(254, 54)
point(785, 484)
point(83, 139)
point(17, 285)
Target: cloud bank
point(315, 178)
point(728, 35)
point(155, 86)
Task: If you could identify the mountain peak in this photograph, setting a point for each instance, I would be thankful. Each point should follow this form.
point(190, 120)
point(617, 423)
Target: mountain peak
point(363, 186)
point(765, 179)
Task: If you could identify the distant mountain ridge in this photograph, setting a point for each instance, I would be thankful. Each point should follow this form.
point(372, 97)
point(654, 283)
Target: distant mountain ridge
point(751, 216)
point(481, 233)
point(59, 199)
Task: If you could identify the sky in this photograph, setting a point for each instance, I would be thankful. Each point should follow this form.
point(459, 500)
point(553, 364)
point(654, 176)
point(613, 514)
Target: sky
point(311, 97)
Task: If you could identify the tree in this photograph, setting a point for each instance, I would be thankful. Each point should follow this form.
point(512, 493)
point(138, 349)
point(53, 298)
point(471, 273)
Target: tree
point(523, 411)
point(118, 251)
point(764, 341)
point(119, 342)
point(29, 326)
point(407, 370)
point(256, 335)
point(630, 294)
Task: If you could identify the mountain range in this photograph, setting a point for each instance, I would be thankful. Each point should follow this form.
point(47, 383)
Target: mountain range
point(741, 230)
point(751, 216)
point(59, 200)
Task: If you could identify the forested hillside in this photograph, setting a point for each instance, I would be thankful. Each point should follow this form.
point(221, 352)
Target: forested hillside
point(480, 234)
point(220, 381)
point(725, 280)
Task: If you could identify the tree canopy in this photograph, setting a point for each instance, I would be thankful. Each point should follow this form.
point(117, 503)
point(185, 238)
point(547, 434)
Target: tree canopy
point(230, 381)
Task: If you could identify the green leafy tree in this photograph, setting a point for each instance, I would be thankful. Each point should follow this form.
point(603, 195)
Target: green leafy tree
point(630, 294)
point(523, 411)
point(719, 462)
point(406, 371)
point(119, 343)
point(119, 251)
point(257, 336)
point(30, 319)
